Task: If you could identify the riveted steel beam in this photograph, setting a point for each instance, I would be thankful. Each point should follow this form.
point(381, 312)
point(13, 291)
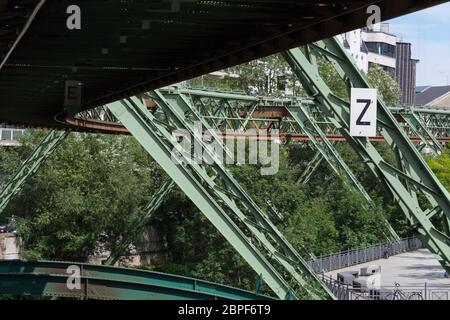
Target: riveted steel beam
point(418, 174)
point(220, 198)
point(333, 158)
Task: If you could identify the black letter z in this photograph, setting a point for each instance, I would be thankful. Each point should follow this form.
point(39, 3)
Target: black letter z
point(359, 122)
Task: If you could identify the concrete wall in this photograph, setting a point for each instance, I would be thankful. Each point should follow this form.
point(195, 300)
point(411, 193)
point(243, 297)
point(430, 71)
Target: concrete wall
point(379, 37)
point(10, 246)
point(382, 60)
point(151, 250)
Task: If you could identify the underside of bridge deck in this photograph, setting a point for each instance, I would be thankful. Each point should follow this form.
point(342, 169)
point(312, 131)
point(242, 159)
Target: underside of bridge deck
point(127, 47)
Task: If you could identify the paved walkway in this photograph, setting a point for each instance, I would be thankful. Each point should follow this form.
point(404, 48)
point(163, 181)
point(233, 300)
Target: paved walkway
point(409, 269)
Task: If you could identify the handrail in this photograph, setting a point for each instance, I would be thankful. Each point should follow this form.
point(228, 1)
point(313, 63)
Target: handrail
point(360, 255)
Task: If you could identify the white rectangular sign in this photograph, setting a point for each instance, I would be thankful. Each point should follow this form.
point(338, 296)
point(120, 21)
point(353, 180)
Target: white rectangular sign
point(363, 112)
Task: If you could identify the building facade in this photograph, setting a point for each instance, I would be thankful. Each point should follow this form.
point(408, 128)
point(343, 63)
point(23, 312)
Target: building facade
point(381, 46)
point(405, 73)
point(370, 46)
point(352, 41)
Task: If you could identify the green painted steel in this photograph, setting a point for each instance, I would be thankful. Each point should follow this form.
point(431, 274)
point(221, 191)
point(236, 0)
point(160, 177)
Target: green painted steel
point(311, 168)
point(137, 226)
point(333, 158)
point(188, 117)
point(51, 279)
point(433, 121)
point(326, 148)
point(416, 125)
point(129, 47)
point(219, 197)
point(31, 165)
point(231, 110)
point(413, 177)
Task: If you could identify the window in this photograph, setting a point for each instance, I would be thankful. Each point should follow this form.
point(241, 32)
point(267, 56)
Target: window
point(9, 134)
point(17, 134)
point(6, 134)
point(381, 48)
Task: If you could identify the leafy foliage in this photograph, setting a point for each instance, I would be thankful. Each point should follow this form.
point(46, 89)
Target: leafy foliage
point(85, 197)
point(441, 166)
point(385, 83)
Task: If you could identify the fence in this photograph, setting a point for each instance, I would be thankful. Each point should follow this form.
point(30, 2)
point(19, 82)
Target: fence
point(425, 292)
point(357, 256)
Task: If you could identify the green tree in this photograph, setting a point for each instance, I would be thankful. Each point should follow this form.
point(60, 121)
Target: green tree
point(385, 83)
point(268, 76)
point(83, 198)
point(441, 167)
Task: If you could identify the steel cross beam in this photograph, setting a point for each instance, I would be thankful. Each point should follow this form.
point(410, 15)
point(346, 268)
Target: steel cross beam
point(222, 201)
point(436, 121)
point(311, 168)
point(31, 165)
point(416, 125)
point(240, 112)
point(333, 158)
point(326, 148)
point(415, 176)
point(307, 124)
point(228, 110)
point(140, 222)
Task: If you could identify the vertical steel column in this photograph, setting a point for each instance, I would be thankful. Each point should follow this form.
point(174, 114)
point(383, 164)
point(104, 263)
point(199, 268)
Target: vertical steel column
point(31, 165)
point(216, 194)
point(418, 175)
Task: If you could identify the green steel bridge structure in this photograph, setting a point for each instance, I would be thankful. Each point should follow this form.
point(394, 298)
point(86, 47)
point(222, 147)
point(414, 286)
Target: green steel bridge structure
point(123, 78)
point(49, 279)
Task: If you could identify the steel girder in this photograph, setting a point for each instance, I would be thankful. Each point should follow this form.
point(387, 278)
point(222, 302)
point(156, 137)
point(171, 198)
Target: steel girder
point(315, 127)
point(31, 165)
point(311, 168)
point(333, 158)
point(140, 222)
point(241, 112)
point(297, 109)
point(413, 177)
point(220, 198)
point(435, 120)
point(326, 148)
point(227, 110)
point(50, 279)
point(416, 126)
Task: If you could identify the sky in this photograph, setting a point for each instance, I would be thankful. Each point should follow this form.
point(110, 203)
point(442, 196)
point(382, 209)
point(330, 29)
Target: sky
point(429, 32)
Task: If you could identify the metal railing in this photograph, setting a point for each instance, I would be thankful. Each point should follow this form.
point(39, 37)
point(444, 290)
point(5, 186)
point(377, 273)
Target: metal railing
point(361, 255)
point(423, 292)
